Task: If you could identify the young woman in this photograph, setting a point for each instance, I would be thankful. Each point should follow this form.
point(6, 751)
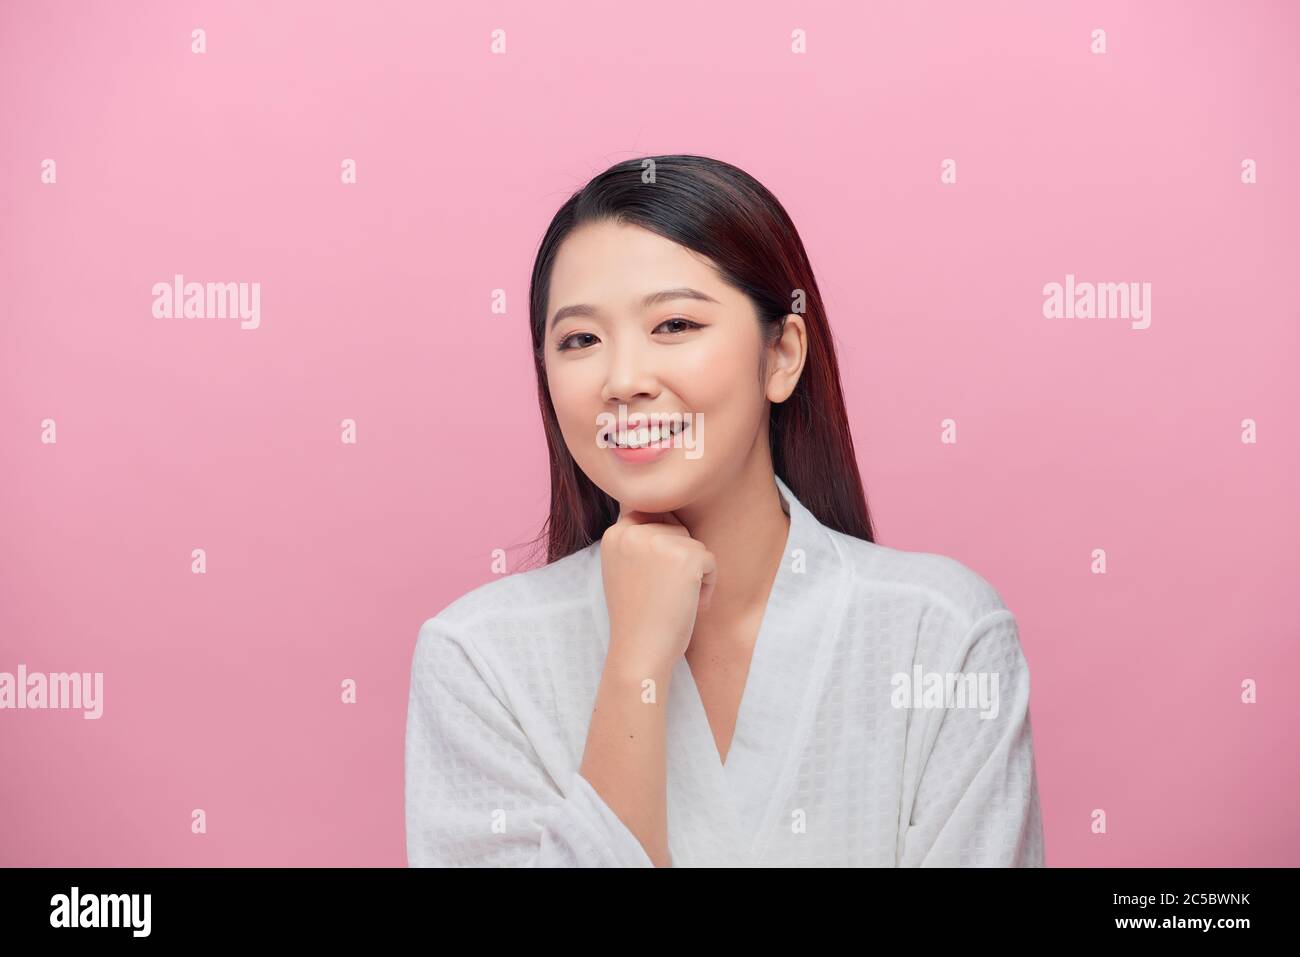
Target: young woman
point(718, 666)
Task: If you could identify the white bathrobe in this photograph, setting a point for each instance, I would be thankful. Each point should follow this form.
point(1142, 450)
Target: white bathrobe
point(836, 759)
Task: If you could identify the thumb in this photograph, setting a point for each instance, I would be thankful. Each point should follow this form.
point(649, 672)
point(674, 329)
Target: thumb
point(707, 581)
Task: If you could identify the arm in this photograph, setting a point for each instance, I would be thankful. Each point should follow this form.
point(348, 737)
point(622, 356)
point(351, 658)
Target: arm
point(477, 794)
point(625, 756)
point(976, 804)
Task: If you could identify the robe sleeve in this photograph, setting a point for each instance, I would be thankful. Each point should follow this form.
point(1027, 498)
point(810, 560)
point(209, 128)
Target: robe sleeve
point(976, 804)
point(477, 794)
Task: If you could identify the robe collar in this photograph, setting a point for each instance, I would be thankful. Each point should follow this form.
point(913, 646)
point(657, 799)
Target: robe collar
point(724, 815)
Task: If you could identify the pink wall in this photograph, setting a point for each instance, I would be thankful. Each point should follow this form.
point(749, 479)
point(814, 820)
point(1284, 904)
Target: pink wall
point(222, 690)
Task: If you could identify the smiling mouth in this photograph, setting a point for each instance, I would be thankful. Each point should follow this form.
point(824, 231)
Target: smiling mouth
point(642, 437)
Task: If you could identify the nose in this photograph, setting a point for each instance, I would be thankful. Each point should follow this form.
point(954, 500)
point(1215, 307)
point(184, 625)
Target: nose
point(629, 373)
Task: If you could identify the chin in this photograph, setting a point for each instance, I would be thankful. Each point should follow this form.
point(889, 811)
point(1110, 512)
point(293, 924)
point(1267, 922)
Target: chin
point(650, 492)
point(656, 505)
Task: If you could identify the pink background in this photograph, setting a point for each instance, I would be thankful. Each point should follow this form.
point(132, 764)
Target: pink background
point(222, 691)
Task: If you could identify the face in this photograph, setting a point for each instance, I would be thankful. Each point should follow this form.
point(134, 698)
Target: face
point(640, 339)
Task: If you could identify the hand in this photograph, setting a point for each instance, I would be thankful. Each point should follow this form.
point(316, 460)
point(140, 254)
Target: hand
point(656, 578)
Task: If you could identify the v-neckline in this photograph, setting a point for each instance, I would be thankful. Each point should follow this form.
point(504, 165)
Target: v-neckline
point(756, 650)
point(722, 813)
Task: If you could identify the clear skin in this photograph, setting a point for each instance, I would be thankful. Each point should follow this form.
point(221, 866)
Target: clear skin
point(689, 564)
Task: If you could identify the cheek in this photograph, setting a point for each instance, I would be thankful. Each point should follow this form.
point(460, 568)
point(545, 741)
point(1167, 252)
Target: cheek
point(576, 405)
point(722, 377)
point(566, 395)
point(721, 383)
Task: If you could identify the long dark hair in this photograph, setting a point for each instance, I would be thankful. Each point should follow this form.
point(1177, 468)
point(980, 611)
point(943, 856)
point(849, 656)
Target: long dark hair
point(723, 213)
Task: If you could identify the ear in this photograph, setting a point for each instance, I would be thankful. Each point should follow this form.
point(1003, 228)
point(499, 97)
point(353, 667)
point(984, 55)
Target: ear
point(786, 359)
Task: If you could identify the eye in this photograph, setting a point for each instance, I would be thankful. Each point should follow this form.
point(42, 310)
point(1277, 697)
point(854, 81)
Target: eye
point(564, 344)
point(683, 325)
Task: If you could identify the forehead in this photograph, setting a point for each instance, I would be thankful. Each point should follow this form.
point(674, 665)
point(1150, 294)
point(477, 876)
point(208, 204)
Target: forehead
point(612, 264)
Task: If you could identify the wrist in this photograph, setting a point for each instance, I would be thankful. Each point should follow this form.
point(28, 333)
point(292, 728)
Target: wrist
point(630, 666)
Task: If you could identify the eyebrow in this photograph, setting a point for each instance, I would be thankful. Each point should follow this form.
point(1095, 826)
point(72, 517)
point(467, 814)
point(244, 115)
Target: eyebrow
point(653, 299)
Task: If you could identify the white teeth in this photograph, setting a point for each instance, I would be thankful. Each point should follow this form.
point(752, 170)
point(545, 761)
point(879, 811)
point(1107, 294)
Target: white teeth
point(635, 438)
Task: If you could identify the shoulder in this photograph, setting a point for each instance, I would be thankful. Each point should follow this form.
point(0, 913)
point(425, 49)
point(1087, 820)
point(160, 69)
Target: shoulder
point(934, 603)
point(926, 577)
point(512, 607)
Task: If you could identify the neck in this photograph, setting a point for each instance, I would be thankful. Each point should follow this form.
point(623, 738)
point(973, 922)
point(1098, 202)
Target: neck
point(746, 529)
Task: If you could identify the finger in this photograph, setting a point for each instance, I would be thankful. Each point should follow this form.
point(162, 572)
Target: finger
point(667, 530)
point(708, 579)
point(634, 517)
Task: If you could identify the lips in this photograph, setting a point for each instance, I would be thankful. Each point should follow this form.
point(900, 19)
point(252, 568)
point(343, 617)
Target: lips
point(639, 438)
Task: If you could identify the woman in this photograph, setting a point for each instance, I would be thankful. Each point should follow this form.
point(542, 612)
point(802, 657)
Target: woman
point(718, 665)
